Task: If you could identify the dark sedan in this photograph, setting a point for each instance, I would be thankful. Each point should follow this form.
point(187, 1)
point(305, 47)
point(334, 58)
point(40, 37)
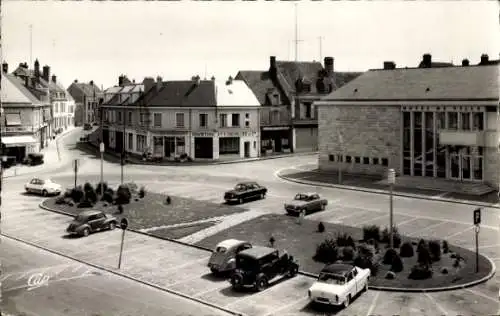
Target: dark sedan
point(305, 203)
point(245, 191)
point(89, 222)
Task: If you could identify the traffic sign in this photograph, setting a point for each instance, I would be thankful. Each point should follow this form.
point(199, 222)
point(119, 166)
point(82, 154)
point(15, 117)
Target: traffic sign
point(391, 176)
point(477, 216)
point(124, 223)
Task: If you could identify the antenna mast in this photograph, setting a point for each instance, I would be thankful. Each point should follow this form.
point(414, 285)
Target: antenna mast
point(31, 44)
point(296, 34)
point(320, 48)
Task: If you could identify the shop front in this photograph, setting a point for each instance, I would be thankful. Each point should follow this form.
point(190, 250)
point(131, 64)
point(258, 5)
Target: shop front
point(19, 146)
point(276, 139)
point(203, 145)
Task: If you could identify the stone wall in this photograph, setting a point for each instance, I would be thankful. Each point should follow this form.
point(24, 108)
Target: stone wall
point(491, 165)
point(367, 131)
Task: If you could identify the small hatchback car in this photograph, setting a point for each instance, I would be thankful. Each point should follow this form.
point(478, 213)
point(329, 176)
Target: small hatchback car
point(89, 222)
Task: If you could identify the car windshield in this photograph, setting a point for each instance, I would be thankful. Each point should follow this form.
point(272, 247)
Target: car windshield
point(80, 218)
point(300, 197)
point(221, 249)
point(240, 187)
point(331, 278)
point(246, 263)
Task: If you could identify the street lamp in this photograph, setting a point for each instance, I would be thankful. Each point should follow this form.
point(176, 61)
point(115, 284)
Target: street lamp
point(101, 149)
point(391, 178)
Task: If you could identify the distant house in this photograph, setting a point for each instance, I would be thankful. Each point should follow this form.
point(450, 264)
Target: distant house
point(86, 97)
point(286, 91)
point(26, 115)
point(199, 118)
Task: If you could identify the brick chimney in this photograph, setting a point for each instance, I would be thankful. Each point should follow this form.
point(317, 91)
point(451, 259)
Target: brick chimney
point(46, 73)
point(159, 82)
point(54, 79)
point(5, 67)
point(273, 69)
point(120, 80)
point(213, 78)
point(148, 83)
point(465, 62)
point(389, 65)
point(484, 59)
point(229, 81)
point(426, 61)
point(329, 62)
point(37, 69)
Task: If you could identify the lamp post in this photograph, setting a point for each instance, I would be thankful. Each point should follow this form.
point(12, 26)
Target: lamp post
point(101, 149)
point(391, 179)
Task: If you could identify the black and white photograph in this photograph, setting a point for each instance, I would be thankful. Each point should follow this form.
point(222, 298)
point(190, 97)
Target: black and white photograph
point(250, 158)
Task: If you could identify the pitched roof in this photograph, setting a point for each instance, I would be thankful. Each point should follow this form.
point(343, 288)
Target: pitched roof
point(14, 91)
point(291, 71)
point(51, 85)
point(86, 88)
point(237, 93)
point(258, 81)
point(182, 93)
point(459, 83)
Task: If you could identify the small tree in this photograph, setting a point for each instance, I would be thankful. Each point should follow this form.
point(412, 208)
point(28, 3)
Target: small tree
point(435, 250)
point(421, 244)
point(77, 194)
point(424, 256)
point(142, 192)
point(272, 241)
point(326, 252)
point(406, 250)
point(87, 187)
point(371, 232)
point(91, 196)
point(397, 264)
point(123, 195)
point(348, 253)
point(446, 247)
point(389, 256)
point(321, 227)
point(104, 186)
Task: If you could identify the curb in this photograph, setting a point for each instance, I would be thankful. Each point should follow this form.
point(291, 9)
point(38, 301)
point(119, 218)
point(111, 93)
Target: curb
point(309, 274)
point(377, 191)
point(124, 275)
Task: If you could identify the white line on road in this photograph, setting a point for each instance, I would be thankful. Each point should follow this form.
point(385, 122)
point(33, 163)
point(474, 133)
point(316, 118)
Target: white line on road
point(219, 287)
point(441, 309)
point(490, 246)
point(426, 228)
point(482, 295)
point(372, 219)
point(190, 263)
point(350, 215)
point(457, 233)
point(407, 221)
point(373, 304)
point(277, 311)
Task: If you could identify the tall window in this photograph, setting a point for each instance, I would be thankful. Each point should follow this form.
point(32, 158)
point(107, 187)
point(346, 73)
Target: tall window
point(235, 119)
point(407, 143)
point(441, 150)
point(130, 141)
point(465, 121)
point(179, 120)
point(180, 144)
point(478, 121)
point(204, 120)
point(307, 110)
point(452, 120)
point(129, 117)
point(429, 144)
point(157, 120)
point(223, 120)
point(119, 116)
point(477, 163)
point(417, 144)
point(229, 145)
point(141, 143)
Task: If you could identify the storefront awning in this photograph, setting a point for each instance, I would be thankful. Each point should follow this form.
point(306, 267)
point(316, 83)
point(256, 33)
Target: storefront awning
point(13, 141)
point(13, 119)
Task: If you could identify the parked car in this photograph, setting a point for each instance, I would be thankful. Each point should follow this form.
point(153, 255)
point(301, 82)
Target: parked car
point(305, 203)
point(245, 191)
point(257, 266)
point(223, 256)
point(88, 222)
point(44, 187)
point(33, 159)
point(338, 284)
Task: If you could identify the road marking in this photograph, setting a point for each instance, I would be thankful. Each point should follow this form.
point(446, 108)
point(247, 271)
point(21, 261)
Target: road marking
point(373, 219)
point(373, 304)
point(425, 228)
point(347, 216)
point(183, 281)
point(490, 246)
point(441, 309)
point(177, 267)
point(407, 221)
point(482, 295)
point(457, 233)
point(287, 306)
point(211, 290)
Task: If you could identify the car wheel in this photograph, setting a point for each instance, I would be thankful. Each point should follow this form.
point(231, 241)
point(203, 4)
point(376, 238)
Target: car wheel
point(214, 271)
point(366, 286)
point(86, 232)
point(240, 201)
point(112, 225)
point(262, 196)
point(322, 207)
point(45, 193)
point(261, 283)
point(302, 213)
point(347, 301)
point(293, 271)
point(236, 280)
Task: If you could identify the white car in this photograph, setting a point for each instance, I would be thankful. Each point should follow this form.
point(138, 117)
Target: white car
point(44, 187)
point(338, 284)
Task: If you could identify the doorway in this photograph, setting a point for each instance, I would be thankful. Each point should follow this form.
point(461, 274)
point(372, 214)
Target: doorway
point(460, 166)
point(247, 149)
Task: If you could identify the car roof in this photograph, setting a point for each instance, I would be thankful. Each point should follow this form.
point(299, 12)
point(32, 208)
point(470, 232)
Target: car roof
point(257, 252)
point(230, 243)
point(338, 268)
point(90, 212)
point(307, 193)
point(248, 182)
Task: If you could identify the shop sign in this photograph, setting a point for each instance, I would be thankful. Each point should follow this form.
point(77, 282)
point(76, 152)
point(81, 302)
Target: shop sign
point(203, 134)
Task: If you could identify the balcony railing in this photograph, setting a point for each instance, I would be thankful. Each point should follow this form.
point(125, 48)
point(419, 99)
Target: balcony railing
point(275, 116)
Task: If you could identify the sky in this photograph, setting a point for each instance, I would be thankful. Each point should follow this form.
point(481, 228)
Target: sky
point(101, 40)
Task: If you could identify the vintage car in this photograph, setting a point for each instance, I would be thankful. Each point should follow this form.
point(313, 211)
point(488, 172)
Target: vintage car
point(245, 191)
point(89, 222)
point(338, 284)
point(44, 187)
point(223, 256)
point(257, 266)
point(305, 203)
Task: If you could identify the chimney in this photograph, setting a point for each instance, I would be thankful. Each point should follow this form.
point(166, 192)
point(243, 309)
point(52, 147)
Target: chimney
point(37, 69)
point(54, 79)
point(148, 83)
point(120, 81)
point(33, 82)
point(389, 65)
point(26, 81)
point(213, 78)
point(46, 73)
point(5, 67)
point(465, 62)
point(75, 81)
point(158, 83)
point(196, 79)
point(329, 66)
point(273, 70)
point(484, 59)
point(427, 61)
point(229, 81)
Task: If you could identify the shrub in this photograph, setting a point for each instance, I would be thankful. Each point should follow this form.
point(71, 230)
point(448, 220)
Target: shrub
point(142, 192)
point(77, 194)
point(91, 196)
point(446, 247)
point(87, 187)
point(326, 251)
point(424, 256)
point(132, 187)
point(371, 232)
point(107, 197)
point(406, 250)
point(396, 237)
point(61, 200)
point(67, 193)
point(321, 227)
point(444, 270)
point(390, 275)
point(421, 243)
point(435, 250)
point(344, 240)
point(420, 272)
point(389, 256)
point(85, 204)
point(168, 200)
point(453, 255)
point(104, 186)
point(366, 250)
point(348, 253)
point(397, 264)
point(123, 195)
point(366, 262)
point(136, 199)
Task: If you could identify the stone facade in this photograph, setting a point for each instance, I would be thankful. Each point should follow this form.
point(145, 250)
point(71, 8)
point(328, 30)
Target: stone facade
point(370, 134)
point(491, 165)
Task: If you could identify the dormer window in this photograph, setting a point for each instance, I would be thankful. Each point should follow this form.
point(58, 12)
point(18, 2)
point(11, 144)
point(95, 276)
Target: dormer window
point(276, 99)
point(306, 87)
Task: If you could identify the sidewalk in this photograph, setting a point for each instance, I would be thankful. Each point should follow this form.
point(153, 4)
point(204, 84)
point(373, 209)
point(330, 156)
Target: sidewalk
point(316, 177)
point(53, 157)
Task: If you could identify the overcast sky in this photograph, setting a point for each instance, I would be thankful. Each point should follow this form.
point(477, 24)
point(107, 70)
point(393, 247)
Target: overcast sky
point(100, 40)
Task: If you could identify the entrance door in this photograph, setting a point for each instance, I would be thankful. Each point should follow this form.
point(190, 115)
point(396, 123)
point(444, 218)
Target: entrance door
point(460, 166)
point(247, 149)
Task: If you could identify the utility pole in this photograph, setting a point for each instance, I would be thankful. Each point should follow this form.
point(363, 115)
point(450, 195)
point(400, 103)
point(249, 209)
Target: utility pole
point(296, 34)
point(122, 158)
point(320, 48)
point(31, 45)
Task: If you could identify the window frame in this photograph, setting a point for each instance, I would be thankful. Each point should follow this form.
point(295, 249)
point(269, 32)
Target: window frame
point(180, 123)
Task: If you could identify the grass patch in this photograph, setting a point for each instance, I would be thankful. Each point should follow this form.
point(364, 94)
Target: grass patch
point(181, 231)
